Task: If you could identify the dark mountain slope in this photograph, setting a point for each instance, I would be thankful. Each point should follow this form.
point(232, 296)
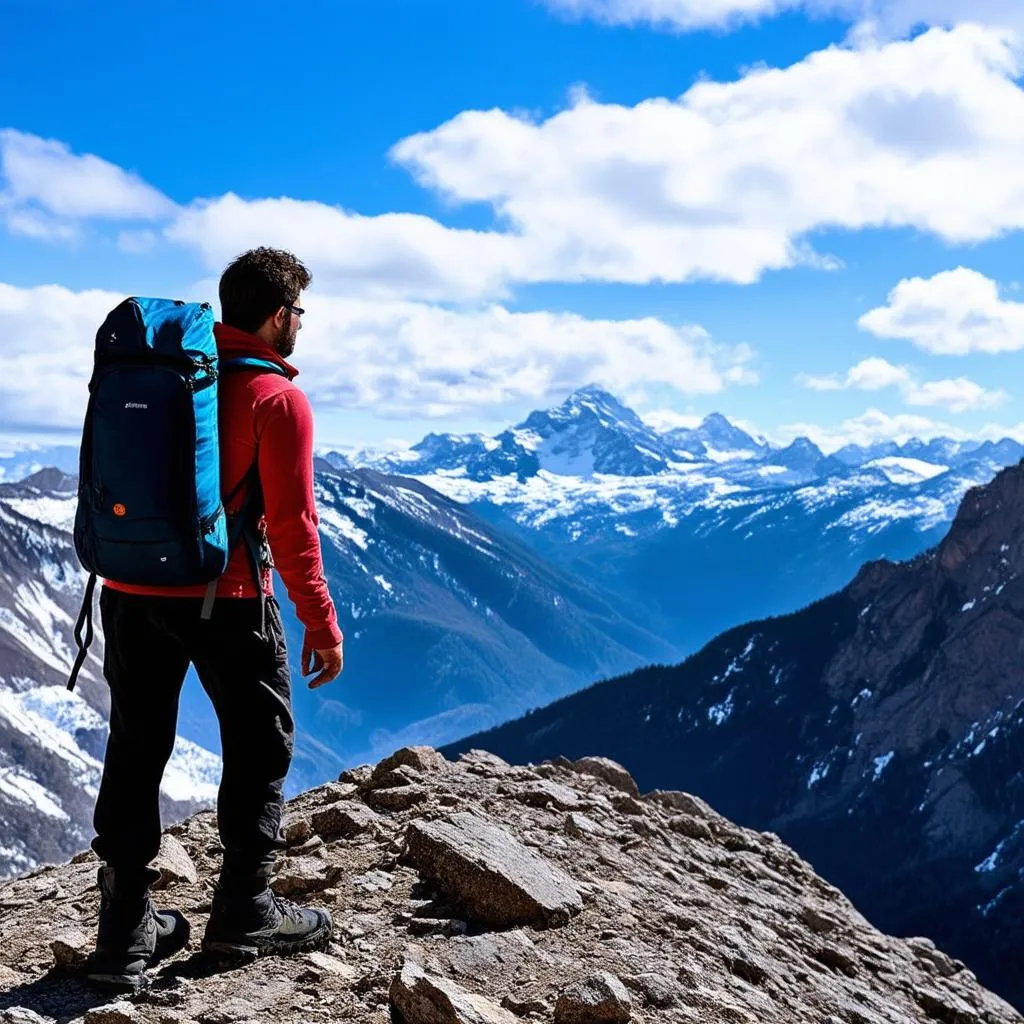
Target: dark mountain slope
point(880, 730)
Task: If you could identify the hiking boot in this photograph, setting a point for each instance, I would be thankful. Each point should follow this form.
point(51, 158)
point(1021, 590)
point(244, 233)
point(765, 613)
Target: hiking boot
point(132, 934)
point(262, 925)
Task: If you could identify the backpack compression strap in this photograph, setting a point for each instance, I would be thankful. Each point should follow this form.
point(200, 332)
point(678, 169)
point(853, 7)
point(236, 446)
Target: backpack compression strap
point(84, 619)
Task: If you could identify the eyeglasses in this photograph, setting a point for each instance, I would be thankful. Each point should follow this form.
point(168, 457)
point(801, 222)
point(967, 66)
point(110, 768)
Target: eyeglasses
point(298, 310)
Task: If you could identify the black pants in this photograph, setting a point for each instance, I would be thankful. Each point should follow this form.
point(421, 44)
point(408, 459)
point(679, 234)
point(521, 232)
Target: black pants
point(149, 643)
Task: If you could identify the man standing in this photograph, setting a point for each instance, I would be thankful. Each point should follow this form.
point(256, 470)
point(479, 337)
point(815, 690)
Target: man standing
point(153, 634)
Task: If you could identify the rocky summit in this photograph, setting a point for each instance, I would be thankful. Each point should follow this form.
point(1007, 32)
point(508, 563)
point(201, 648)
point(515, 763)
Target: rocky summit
point(476, 891)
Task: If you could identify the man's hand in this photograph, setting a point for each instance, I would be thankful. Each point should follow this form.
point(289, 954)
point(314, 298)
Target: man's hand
point(328, 662)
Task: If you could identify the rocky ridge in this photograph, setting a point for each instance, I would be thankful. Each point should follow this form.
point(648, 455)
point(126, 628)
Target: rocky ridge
point(480, 892)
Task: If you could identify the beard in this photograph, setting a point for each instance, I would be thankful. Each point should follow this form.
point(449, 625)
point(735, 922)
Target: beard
point(284, 343)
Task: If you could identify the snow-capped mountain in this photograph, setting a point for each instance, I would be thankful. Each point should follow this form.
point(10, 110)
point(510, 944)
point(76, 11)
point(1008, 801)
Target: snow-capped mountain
point(51, 741)
point(18, 461)
point(717, 440)
point(590, 468)
point(880, 731)
point(448, 620)
point(450, 623)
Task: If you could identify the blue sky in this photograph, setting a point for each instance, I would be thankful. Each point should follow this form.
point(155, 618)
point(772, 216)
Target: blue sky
point(803, 213)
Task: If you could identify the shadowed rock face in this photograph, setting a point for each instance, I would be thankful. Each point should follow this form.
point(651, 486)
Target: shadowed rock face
point(478, 904)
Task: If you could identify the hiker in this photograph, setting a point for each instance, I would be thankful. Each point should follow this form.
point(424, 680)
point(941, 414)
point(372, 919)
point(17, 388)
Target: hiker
point(153, 633)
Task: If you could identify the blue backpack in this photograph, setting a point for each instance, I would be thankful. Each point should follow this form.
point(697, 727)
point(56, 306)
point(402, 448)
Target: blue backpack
point(150, 510)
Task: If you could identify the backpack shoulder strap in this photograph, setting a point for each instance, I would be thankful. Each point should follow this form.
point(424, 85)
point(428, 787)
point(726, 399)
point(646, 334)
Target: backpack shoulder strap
point(252, 363)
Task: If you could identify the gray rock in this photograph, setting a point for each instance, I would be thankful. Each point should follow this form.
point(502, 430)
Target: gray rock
point(484, 763)
point(611, 771)
point(396, 798)
point(357, 775)
point(544, 792)
point(22, 1015)
point(70, 947)
point(486, 869)
point(296, 829)
point(342, 820)
point(688, 825)
point(173, 863)
point(677, 800)
point(578, 824)
point(655, 989)
point(327, 964)
point(422, 759)
point(424, 999)
point(229, 1011)
point(121, 1012)
point(301, 876)
point(598, 999)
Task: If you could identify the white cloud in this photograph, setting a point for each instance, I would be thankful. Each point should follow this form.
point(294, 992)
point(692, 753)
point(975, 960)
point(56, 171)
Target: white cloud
point(959, 395)
point(894, 16)
point(726, 182)
point(873, 425)
point(400, 359)
point(953, 313)
point(46, 343)
point(732, 178)
point(46, 188)
point(395, 254)
point(668, 419)
point(875, 374)
point(871, 374)
point(392, 359)
point(869, 427)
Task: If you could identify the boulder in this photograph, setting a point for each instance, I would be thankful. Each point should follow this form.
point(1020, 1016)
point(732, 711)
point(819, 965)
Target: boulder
point(598, 999)
point(420, 758)
point(421, 998)
point(342, 820)
point(484, 868)
point(610, 771)
point(173, 863)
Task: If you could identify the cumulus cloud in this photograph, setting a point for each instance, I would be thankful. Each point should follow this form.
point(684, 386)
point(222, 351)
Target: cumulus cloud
point(46, 341)
point(874, 374)
point(394, 254)
point(733, 178)
point(394, 359)
point(894, 16)
point(403, 359)
point(726, 182)
point(45, 188)
point(662, 420)
point(869, 427)
point(956, 312)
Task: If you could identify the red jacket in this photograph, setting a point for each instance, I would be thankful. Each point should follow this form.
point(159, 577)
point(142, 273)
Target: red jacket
point(266, 419)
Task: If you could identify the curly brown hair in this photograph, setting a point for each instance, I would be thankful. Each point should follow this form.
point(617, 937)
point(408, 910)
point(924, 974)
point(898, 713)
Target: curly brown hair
point(257, 283)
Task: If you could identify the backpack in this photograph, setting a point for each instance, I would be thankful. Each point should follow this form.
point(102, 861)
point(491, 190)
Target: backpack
point(150, 509)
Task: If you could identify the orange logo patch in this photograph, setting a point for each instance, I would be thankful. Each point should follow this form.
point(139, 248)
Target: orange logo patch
point(119, 509)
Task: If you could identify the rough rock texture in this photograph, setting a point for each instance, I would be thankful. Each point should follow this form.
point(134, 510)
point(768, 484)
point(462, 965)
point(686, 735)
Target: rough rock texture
point(656, 924)
point(880, 732)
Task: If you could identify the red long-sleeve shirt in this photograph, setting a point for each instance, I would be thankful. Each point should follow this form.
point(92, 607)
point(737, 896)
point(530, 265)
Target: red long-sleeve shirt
point(265, 419)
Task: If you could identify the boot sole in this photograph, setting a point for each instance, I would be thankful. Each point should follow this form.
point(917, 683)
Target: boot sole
point(119, 982)
point(248, 950)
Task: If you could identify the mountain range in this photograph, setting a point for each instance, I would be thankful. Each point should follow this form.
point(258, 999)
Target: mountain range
point(880, 731)
point(466, 602)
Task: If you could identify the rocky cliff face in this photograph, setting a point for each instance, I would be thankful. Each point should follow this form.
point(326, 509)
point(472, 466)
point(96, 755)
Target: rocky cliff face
point(880, 731)
point(480, 892)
